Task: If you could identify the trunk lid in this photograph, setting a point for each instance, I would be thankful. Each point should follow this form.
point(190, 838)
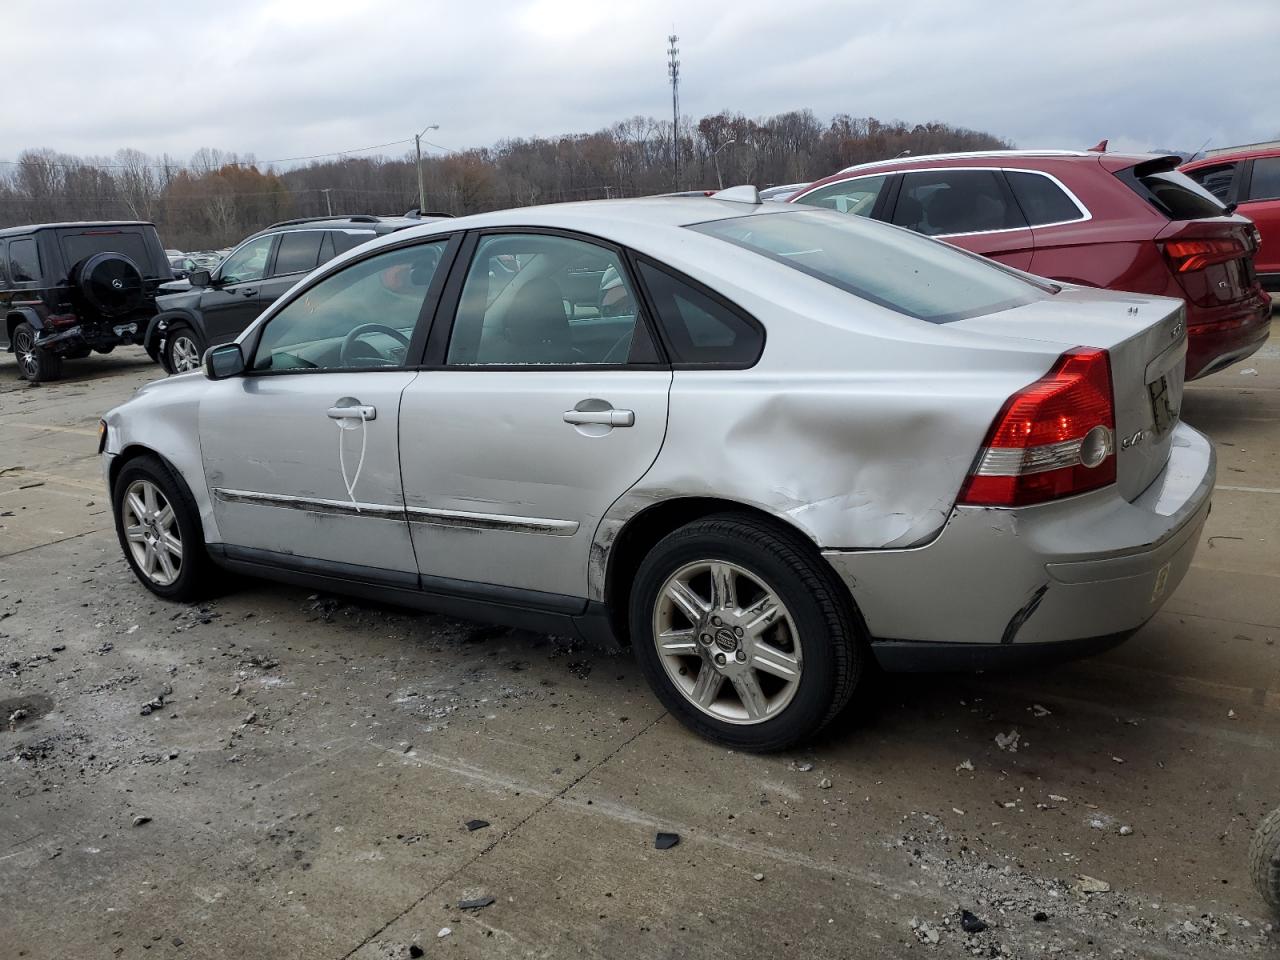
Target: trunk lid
point(1146, 339)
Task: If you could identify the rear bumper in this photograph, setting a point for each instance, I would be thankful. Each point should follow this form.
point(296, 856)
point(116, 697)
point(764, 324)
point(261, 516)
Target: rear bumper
point(1083, 572)
point(1220, 336)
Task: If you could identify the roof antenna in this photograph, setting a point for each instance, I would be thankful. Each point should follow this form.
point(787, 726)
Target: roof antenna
point(1099, 147)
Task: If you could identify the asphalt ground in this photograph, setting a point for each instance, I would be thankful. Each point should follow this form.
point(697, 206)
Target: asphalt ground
point(310, 773)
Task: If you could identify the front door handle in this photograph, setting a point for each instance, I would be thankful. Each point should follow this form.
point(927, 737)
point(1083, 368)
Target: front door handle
point(357, 411)
point(249, 293)
point(610, 417)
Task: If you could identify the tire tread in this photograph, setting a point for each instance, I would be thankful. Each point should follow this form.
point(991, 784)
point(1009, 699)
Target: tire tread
point(1264, 859)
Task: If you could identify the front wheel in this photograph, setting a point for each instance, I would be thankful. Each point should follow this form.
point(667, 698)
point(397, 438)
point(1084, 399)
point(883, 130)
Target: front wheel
point(35, 364)
point(159, 530)
point(744, 633)
point(183, 349)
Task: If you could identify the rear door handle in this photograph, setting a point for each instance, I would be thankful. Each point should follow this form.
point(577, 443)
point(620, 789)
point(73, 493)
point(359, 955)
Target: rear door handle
point(611, 418)
point(359, 411)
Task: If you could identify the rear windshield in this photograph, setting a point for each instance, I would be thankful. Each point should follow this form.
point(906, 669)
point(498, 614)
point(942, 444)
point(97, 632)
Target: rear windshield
point(78, 246)
point(1174, 194)
point(895, 268)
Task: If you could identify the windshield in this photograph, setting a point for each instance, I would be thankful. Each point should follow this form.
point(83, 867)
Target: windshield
point(894, 268)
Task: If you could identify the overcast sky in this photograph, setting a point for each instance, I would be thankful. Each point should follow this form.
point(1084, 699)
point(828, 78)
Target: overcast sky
point(284, 78)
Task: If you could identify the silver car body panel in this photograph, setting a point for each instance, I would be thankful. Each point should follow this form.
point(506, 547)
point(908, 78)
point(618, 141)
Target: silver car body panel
point(857, 427)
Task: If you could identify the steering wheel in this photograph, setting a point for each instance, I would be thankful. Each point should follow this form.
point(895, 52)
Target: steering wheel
point(348, 342)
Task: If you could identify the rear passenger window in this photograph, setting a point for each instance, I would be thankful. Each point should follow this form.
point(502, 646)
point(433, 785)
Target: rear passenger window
point(856, 196)
point(344, 240)
point(298, 252)
point(1217, 180)
point(701, 328)
point(1265, 184)
point(1042, 200)
point(24, 261)
point(937, 202)
point(327, 251)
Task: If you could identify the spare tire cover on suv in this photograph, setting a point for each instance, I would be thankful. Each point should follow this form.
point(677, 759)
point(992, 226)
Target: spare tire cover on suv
point(110, 283)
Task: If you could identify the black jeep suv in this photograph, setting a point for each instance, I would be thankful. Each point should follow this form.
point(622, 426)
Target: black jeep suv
point(222, 302)
point(70, 288)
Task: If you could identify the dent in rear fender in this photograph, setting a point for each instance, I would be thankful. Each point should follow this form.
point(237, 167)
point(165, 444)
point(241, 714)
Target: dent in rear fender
point(851, 462)
point(163, 417)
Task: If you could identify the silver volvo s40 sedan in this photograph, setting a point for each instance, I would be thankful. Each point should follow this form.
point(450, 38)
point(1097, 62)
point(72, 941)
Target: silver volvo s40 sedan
point(763, 445)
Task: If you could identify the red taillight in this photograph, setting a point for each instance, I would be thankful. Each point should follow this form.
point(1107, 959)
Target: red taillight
point(1052, 439)
point(1189, 255)
point(60, 320)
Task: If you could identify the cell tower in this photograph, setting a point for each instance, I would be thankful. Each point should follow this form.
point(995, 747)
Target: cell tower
point(673, 71)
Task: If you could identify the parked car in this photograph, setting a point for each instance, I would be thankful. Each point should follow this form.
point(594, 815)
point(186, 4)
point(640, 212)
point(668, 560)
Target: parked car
point(217, 304)
point(67, 289)
point(1120, 221)
point(1248, 179)
point(782, 191)
point(750, 464)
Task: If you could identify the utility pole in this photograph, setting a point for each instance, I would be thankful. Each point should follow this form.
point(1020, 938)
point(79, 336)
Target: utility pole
point(673, 72)
point(328, 204)
point(417, 145)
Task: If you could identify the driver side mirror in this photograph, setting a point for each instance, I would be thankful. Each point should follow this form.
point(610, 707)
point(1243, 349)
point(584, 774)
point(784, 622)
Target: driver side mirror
point(198, 278)
point(223, 361)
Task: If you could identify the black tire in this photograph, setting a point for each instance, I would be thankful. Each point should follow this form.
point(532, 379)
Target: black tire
point(178, 338)
point(834, 650)
point(1264, 859)
point(110, 283)
point(35, 364)
point(196, 575)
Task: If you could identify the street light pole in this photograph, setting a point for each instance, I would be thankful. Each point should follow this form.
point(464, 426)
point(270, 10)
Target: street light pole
point(328, 204)
point(417, 145)
point(715, 158)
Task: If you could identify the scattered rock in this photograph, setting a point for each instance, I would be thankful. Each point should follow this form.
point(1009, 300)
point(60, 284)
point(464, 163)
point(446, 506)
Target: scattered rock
point(925, 933)
point(17, 717)
point(971, 923)
point(59, 648)
point(966, 765)
point(140, 820)
point(824, 783)
point(665, 841)
point(156, 702)
point(415, 951)
point(476, 903)
point(444, 932)
point(1040, 917)
point(757, 877)
point(474, 825)
point(803, 767)
point(1040, 711)
point(1008, 741)
point(1126, 831)
point(1086, 884)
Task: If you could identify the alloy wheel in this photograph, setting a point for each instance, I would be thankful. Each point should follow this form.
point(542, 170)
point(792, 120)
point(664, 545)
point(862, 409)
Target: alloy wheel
point(24, 348)
point(151, 530)
point(727, 641)
point(184, 354)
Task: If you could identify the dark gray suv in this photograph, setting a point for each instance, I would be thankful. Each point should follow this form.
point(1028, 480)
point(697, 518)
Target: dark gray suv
point(69, 289)
point(222, 302)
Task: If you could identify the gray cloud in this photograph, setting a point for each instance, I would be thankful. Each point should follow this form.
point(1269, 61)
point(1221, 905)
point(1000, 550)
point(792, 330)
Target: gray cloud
point(283, 78)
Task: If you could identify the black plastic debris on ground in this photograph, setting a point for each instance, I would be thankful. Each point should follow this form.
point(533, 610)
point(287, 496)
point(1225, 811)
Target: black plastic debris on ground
point(474, 825)
point(477, 903)
point(970, 923)
point(665, 841)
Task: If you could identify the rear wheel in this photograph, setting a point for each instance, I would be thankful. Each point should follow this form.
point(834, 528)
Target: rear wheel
point(744, 634)
point(34, 363)
point(159, 530)
point(182, 349)
point(1264, 859)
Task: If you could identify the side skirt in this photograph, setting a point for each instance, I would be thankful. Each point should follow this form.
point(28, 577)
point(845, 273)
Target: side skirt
point(525, 609)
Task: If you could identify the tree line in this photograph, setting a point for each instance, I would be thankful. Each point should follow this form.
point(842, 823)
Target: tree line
point(216, 198)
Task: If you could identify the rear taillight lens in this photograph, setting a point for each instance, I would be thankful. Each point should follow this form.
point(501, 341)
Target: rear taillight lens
point(1052, 439)
point(1186, 256)
point(61, 320)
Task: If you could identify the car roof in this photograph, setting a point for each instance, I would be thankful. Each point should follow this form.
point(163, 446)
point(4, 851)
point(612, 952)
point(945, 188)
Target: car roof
point(74, 224)
point(364, 223)
point(1233, 156)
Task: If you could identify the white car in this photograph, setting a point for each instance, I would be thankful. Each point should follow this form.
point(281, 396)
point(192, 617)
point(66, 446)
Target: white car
point(763, 444)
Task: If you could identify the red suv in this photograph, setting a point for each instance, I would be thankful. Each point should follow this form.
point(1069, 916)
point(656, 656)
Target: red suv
point(1248, 178)
point(1125, 222)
